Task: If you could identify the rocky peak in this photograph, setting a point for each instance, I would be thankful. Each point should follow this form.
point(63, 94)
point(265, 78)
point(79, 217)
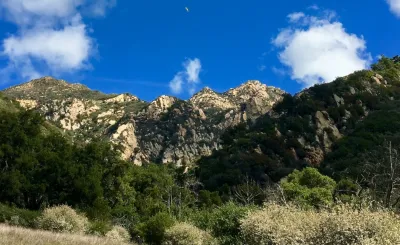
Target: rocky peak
point(206, 90)
point(160, 105)
point(207, 98)
point(48, 82)
point(163, 102)
point(49, 88)
point(248, 89)
point(122, 98)
point(258, 97)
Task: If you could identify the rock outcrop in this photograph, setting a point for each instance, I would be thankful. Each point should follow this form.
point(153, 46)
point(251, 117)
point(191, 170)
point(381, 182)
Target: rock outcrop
point(167, 130)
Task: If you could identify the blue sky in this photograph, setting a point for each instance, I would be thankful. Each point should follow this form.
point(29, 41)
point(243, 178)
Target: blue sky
point(154, 47)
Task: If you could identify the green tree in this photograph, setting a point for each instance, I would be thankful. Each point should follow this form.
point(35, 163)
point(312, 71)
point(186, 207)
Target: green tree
point(309, 188)
point(223, 222)
point(153, 230)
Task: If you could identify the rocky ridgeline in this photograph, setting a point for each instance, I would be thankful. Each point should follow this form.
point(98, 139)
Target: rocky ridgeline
point(166, 130)
point(257, 98)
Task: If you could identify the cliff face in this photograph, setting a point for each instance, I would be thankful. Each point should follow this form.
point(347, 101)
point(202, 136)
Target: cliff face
point(166, 130)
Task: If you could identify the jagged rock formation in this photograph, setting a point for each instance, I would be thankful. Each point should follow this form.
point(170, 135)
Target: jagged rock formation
point(253, 96)
point(166, 130)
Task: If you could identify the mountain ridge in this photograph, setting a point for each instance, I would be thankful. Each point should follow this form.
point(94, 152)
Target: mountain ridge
point(169, 130)
point(165, 130)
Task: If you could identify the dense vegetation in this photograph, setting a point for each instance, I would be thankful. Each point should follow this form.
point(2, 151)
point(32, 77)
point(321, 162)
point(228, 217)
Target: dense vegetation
point(364, 112)
point(221, 201)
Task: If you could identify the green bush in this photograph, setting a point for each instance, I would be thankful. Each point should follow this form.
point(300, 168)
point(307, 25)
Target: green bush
point(153, 230)
point(19, 217)
point(62, 219)
point(223, 222)
point(99, 228)
point(309, 188)
point(185, 233)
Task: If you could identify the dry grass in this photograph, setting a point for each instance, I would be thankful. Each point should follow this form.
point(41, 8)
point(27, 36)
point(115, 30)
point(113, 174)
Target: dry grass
point(19, 236)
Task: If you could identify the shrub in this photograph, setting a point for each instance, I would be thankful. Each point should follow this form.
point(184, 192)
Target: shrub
point(345, 225)
point(99, 228)
point(185, 233)
point(153, 230)
point(279, 225)
point(119, 233)
point(309, 188)
point(62, 219)
point(289, 225)
point(223, 222)
point(19, 217)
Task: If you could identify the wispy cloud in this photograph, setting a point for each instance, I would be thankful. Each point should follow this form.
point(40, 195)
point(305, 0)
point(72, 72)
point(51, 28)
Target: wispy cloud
point(278, 71)
point(188, 78)
point(318, 48)
point(313, 7)
point(51, 37)
point(294, 17)
point(261, 67)
point(394, 6)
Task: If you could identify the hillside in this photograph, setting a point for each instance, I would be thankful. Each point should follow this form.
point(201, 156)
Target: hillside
point(329, 126)
point(166, 130)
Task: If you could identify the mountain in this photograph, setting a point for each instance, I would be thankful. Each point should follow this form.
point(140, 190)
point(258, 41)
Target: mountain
point(331, 126)
point(166, 130)
point(252, 130)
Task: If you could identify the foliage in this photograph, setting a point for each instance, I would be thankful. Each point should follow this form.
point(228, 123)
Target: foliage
point(118, 233)
point(289, 225)
point(388, 68)
point(381, 174)
point(153, 230)
point(19, 217)
point(208, 199)
point(309, 188)
point(99, 228)
point(62, 219)
point(279, 225)
point(185, 233)
point(223, 222)
point(346, 190)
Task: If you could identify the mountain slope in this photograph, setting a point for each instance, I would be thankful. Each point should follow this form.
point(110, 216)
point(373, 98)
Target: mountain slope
point(166, 130)
point(309, 129)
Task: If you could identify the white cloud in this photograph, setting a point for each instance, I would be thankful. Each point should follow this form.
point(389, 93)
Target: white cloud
point(278, 71)
point(51, 38)
point(294, 17)
point(394, 6)
point(63, 49)
point(193, 68)
point(100, 6)
point(188, 78)
point(314, 7)
point(261, 67)
point(176, 83)
point(319, 50)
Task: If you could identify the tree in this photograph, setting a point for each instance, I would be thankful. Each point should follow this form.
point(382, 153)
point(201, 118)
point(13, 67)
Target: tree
point(382, 174)
point(248, 192)
point(309, 188)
